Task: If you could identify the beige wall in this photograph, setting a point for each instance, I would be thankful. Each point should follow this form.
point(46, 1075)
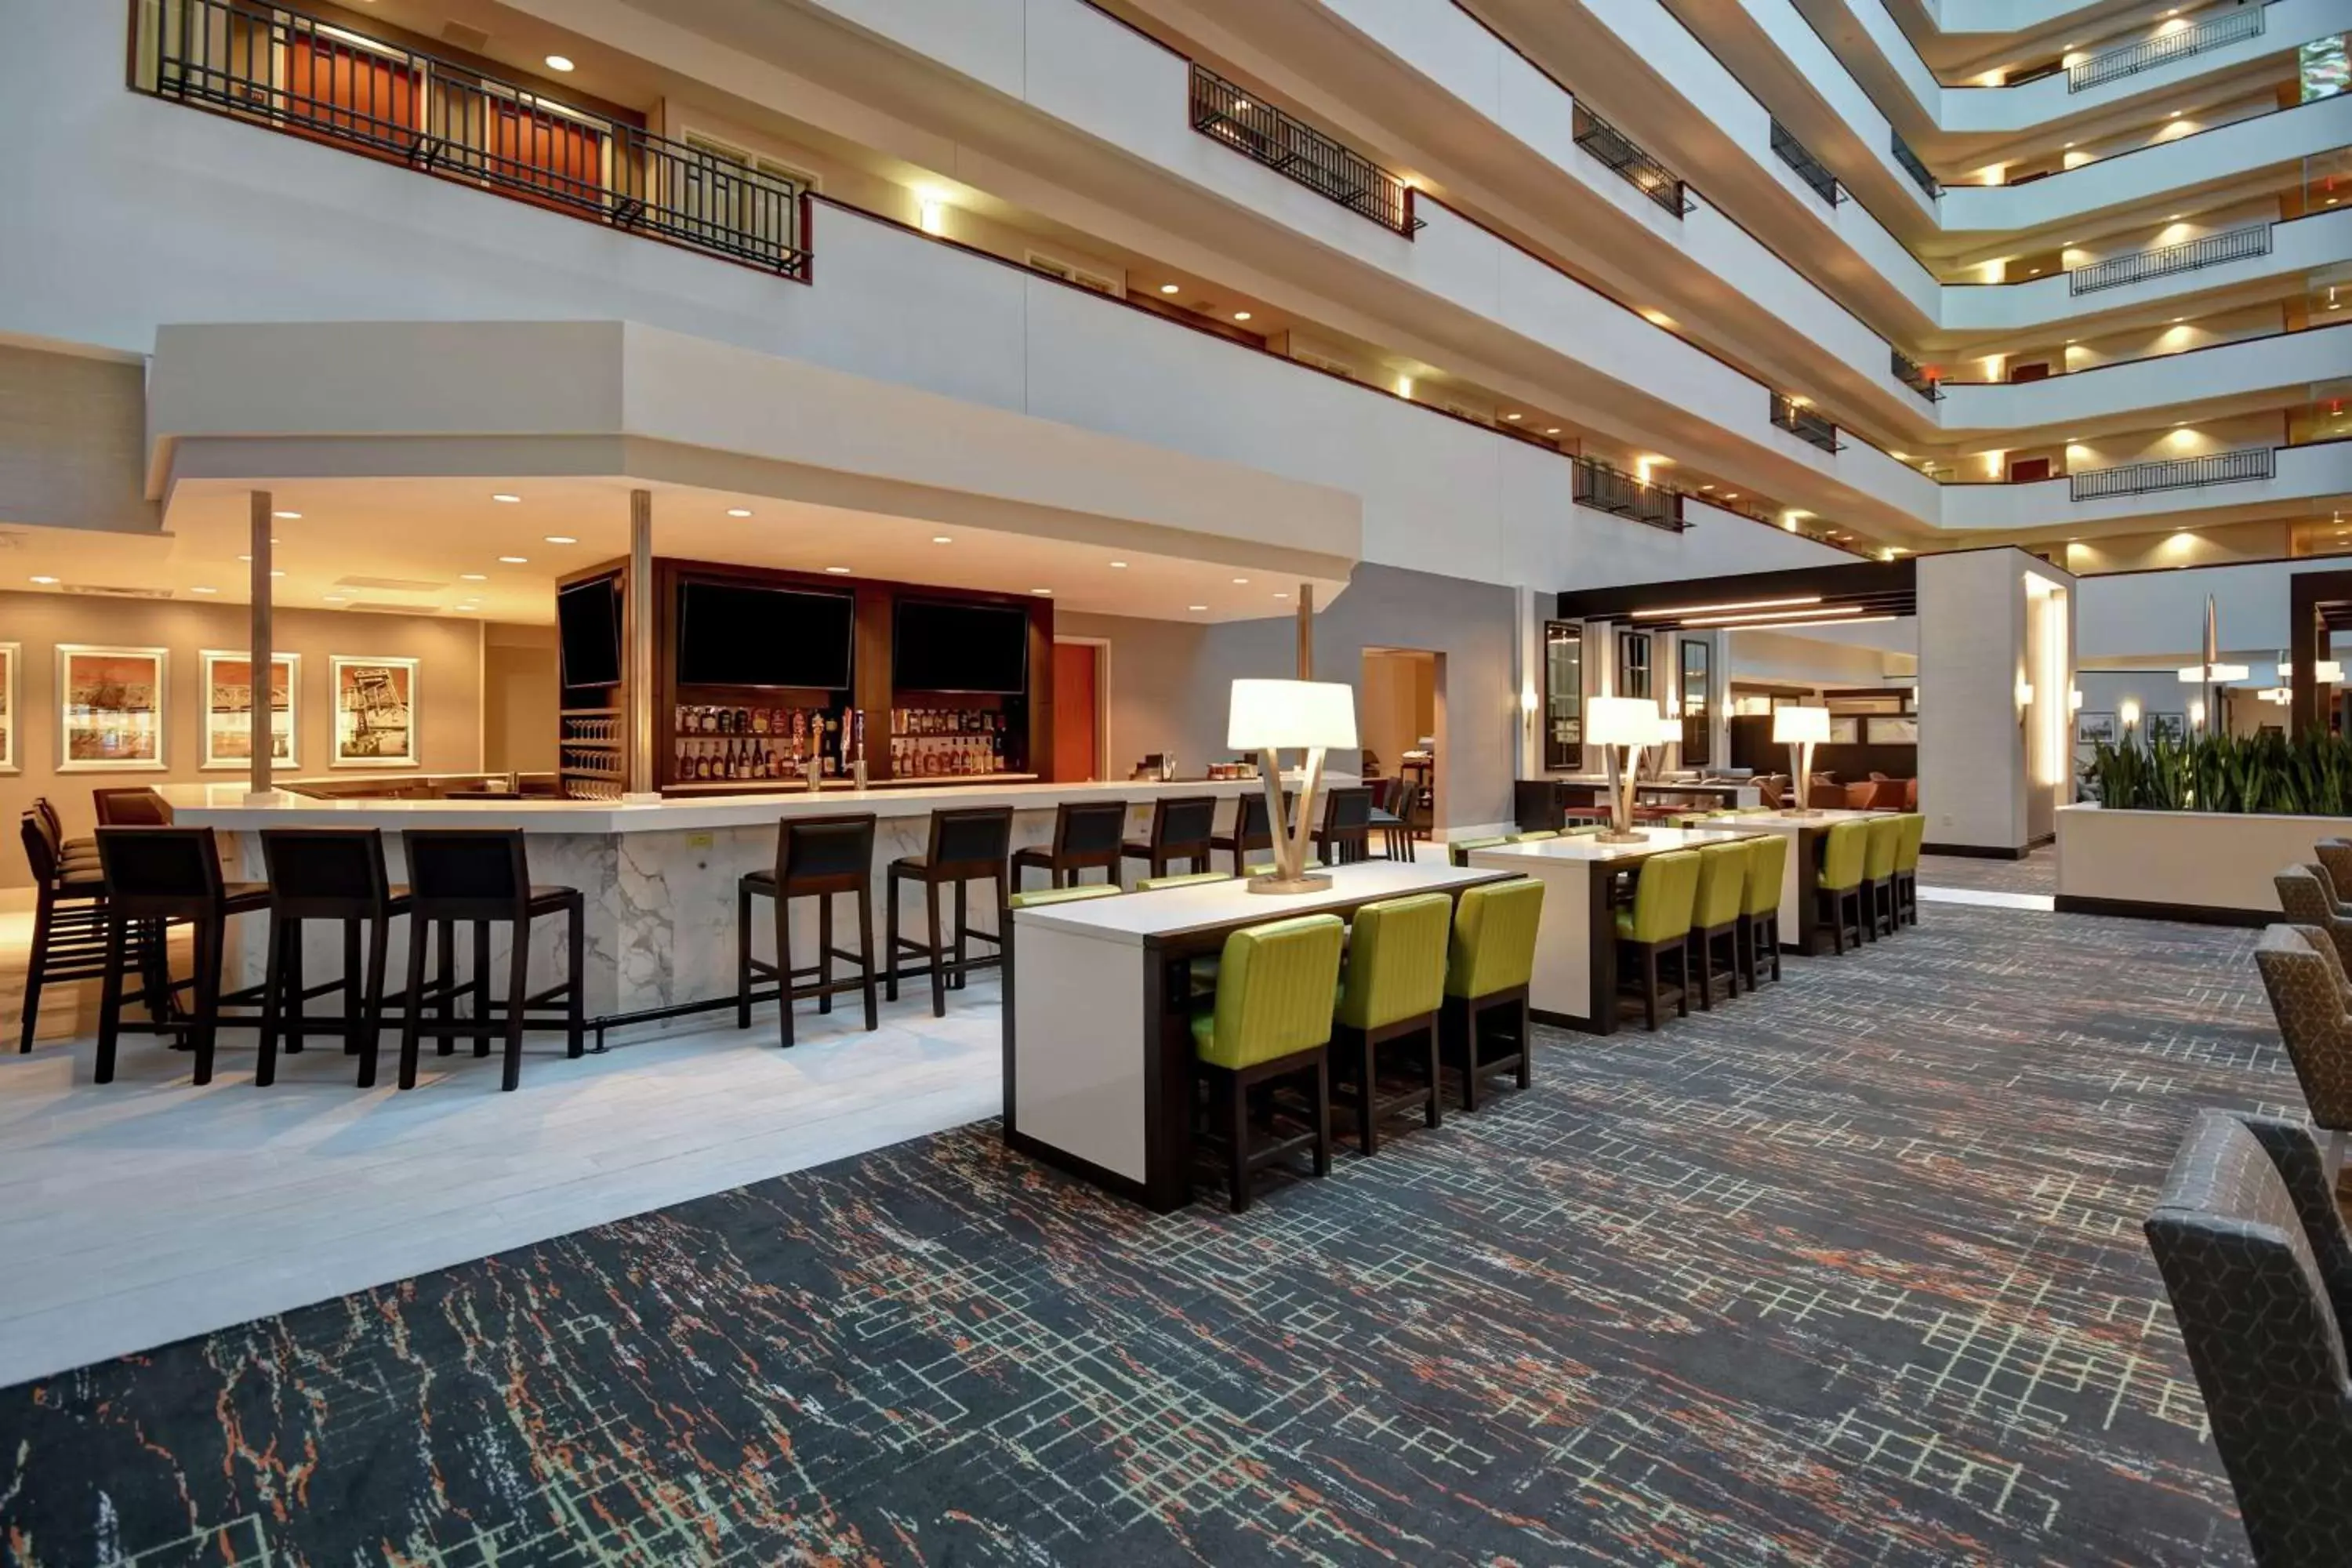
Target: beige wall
point(449, 691)
point(520, 697)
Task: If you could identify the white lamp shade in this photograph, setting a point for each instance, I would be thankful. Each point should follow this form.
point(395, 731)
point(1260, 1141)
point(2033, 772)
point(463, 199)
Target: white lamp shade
point(1799, 724)
point(1273, 714)
point(1620, 721)
point(1670, 730)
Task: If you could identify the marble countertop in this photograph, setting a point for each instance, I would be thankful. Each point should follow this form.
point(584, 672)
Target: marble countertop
point(1166, 911)
point(225, 806)
point(1585, 847)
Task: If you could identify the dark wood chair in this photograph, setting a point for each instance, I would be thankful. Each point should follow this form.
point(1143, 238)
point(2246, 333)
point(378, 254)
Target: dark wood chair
point(1253, 834)
point(482, 875)
point(1089, 835)
point(327, 874)
point(69, 925)
point(156, 875)
point(139, 807)
point(816, 858)
point(72, 853)
point(968, 845)
point(1346, 836)
point(1390, 810)
point(1183, 827)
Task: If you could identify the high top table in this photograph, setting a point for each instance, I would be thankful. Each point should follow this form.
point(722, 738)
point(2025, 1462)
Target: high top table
point(1575, 982)
point(1097, 1018)
point(1802, 927)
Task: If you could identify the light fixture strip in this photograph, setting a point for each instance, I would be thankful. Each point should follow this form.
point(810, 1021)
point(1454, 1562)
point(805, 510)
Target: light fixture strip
point(1717, 609)
point(1734, 626)
point(1822, 613)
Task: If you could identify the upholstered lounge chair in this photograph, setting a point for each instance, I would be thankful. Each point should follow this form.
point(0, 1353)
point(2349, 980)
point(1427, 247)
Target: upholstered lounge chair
point(2312, 1000)
point(2303, 895)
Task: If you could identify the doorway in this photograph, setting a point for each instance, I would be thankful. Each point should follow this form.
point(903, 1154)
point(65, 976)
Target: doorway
point(1400, 721)
point(1081, 709)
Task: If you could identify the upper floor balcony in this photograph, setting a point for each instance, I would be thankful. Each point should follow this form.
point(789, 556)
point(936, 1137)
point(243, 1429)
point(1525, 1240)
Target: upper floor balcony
point(2241, 484)
point(2269, 371)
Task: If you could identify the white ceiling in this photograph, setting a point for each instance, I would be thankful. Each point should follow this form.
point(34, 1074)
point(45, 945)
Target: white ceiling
point(409, 545)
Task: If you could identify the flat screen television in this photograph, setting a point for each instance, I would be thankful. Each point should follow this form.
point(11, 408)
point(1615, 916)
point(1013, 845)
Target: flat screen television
point(588, 633)
point(937, 647)
point(730, 634)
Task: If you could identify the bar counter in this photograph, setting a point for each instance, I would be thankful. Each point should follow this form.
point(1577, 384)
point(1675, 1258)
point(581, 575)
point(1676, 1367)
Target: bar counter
point(659, 879)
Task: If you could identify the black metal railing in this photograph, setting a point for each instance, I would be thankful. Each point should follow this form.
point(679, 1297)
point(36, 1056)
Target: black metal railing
point(2174, 473)
point(1619, 493)
point(1913, 165)
point(1804, 424)
point(1810, 169)
point(2229, 27)
point(2230, 245)
point(1291, 147)
point(298, 74)
point(1614, 148)
point(1907, 372)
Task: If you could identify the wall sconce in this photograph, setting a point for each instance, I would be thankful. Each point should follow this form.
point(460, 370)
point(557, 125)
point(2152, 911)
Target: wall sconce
point(2129, 712)
point(2197, 714)
point(2025, 695)
point(2075, 700)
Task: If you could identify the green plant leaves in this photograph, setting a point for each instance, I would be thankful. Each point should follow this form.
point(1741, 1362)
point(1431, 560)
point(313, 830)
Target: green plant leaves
point(2268, 773)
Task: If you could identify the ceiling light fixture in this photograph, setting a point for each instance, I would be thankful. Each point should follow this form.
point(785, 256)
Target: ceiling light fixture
point(504, 498)
point(1042, 593)
point(475, 577)
point(514, 560)
point(561, 538)
point(1513, 418)
point(1196, 607)
point(1241, 315)
point(1717, 609)
point(1118, 566)
point(204, 590)
point(838, 571)
point(287, 516)
point(739, 511)
point(1554, 429)
point(337, 599)
point(1167, 288)
point(558, 62)
point(45, 581)
point(942, 539)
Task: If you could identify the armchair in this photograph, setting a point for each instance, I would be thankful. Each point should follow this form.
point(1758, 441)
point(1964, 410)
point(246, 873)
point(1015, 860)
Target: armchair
point(2312, 999)
point(2304, 894)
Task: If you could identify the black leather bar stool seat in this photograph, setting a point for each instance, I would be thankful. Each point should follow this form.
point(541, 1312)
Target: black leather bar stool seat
point(327, 874)
point(968, 844)
point(482, 875)
point(158, 875)
point(1183, 827)
point(816, 857)
point(1253, 834)
point(1087, 834)
point(1346, 836)
point(70, 924)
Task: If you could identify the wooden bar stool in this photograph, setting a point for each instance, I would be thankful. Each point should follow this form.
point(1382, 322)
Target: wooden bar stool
point(1346, 836)
point(1488, 969)
point(1183, 827)
point(1906, 868)
point(1390, 820)
point(69, 925)
point(1088, 834)
point(139, 807)
point(968, 844)
point(483, 875)
point(1881, 915)
point(72, 853)
point(327, 874)
point(1665, 894)
point(816, 857)
point(1271, 1018)
point(1253, 834)
point(1392, 987)
point(1715, 915)
point(159, 875)
point(1839, 887)
point(1760, 914)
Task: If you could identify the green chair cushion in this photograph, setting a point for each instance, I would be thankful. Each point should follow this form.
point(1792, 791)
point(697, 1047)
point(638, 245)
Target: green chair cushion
point(1768, 865)
point(1495, 938)
point(1664, 895)
point(1396, 960)
point(1153, 884)
point(1043, 896)
point(1915, 834)
point(1536, 837)
point(1722, 884)
point(1884, 846)
point(1275, 986)
point(1459, 850)
point(1844, 850)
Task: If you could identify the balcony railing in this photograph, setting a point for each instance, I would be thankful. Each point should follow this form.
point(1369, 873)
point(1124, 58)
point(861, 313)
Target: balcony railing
point(1907, 372)
point(2229, 27)
point(1291, 147)
point(1804, 424)
point(1913, 166)
point(1619, 493)
point(1810, 169)
point(2175, 473)
point(305, 77)
point(2208, 250)
point(1612, 147)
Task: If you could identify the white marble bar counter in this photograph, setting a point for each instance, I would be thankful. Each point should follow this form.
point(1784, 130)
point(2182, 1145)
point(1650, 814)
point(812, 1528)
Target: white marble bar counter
point(659, 879)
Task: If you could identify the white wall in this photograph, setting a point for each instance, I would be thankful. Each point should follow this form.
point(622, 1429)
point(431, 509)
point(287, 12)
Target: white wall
point(2286, 360)
point(1973, 747)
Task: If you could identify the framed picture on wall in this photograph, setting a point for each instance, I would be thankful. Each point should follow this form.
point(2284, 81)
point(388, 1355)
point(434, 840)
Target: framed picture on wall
point(228, 708)
point(2095, 729)
point(2173, 727)
point(376, 712)
point(110, 707)
point(11, 705)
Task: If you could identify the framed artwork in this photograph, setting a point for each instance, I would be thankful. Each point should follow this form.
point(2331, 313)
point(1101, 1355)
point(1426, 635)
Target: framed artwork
point(228, 708)
point(12, 658)
point(2173, 727)
point(2091, 729)
point(375, 712)
point(110, 708)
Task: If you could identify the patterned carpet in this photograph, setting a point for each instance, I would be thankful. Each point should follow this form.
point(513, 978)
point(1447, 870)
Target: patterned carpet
point(2037, 873)
point(1849, 1273)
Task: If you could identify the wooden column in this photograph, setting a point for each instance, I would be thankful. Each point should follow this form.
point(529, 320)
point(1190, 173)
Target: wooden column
point(638, 616)
point(259, 636)
point(1306, 631)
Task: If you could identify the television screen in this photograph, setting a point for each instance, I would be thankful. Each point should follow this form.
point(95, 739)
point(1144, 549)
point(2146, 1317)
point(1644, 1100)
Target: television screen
point(730, 634)
point(588, 631)
point(959, 647)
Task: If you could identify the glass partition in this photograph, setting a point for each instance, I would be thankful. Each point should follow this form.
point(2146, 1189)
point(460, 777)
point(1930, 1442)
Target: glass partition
point(1698, 676)
point(1563, 695)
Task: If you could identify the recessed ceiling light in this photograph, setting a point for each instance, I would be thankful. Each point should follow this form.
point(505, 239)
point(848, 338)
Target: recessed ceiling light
point(1241, 582)
point(1169, 287)
point(1241, 315)
point(739, 511)
point(514, 560)
point(942, 539)
point(2070, 143)
point(1513, 418)
point(337, 599)
point(561, 538)
point(1196, 607)
point(1282, 595)
point(44, 581)
point(475, 577)
point(277, 573)
point(838, 571)
point(1042, 593)
point(467, 609)
point(246, 559)
point(1707, 487)
point(509, 499)
point(558, 62)
point(287, 516)
point(2174, 218)
point(1552, 430)
point(1118, 566)
point(2174, 115)
point(204, 590)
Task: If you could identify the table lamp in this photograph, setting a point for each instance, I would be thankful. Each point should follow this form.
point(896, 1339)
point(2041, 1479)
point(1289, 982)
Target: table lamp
point(1631, 722)
point(1267, 716)
point(1800, 728)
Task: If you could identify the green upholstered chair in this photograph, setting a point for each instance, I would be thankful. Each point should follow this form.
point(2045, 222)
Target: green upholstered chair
point(1391, 989)
point(1075, 894)
point(1459, 850)
point(1540, 834)
point(1579, 830)
point(1666, 891)
point(1490, 962)
point(1880, 852)
point(1182, 879)
point(1837, 888)
point(1715, 914)
point(1759, 911)
point(1907, 867)
point(1271, 1018)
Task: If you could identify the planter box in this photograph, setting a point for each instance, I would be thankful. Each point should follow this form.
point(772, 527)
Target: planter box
point(2198, 865)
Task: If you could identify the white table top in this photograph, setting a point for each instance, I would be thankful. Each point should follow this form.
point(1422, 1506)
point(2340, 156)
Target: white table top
point(1134, 918)
point(1776, 823)
point(1585, 847)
